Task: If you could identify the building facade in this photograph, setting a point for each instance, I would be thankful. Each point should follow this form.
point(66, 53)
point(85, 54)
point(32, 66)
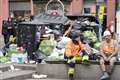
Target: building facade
point(73, 7)
point(118, 20)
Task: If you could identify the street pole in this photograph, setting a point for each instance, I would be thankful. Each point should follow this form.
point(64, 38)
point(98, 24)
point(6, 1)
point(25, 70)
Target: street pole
point(98, 5)
point(32, 8)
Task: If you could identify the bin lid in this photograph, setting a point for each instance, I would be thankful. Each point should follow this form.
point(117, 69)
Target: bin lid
point(34, 22)
point(73, 17)
point(46, 19)
point(53, 19)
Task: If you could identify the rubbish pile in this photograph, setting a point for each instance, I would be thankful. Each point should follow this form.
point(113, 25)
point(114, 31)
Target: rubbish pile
point(89, 28)
point(58, 52)
point(14, 54)
point(52, 47)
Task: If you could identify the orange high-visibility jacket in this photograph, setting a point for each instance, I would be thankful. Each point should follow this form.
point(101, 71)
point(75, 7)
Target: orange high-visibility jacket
point(72, 49)
point(109, 48)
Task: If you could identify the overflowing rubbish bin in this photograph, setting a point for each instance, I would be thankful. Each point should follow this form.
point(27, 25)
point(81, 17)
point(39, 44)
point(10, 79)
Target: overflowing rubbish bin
point(46, 25)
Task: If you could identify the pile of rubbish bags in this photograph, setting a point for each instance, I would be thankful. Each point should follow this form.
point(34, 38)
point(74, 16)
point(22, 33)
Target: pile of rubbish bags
point(58, 52)
point(54, 50)
point(47, 46)
point(92, 39)
point(14, 54)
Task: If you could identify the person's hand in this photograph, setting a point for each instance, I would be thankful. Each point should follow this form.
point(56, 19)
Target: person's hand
point(72, 22)
point(109, 58)
point(80, 53)
point(105, 58)
point(71, 60)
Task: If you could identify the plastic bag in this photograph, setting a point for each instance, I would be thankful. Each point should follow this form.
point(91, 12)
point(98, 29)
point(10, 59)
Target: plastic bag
point(1, 53)
point(57, 55)
point(4, 59)
point(19, 58)
point(63, 42)
point(47, 46)
point(12, 48)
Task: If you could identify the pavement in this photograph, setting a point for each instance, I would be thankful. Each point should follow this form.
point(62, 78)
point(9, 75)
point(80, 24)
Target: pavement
point(16, 75)
point(91, 72)
point(25, 71)
point(46, 79)
point(6, 67)
point(57, 79)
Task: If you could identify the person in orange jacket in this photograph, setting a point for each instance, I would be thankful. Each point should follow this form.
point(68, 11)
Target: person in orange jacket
point(109, 50)
point(74, 51)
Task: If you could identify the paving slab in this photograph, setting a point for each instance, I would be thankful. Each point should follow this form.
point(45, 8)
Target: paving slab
point(57, 79)
point(6, 67)
point(26, 66)
point(82, 72)
point(45, 79)
point(16, 75)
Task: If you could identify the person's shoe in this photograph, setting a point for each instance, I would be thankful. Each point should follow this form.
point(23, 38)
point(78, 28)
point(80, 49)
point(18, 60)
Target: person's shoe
point(109, 72)
point(71, 77)
point(105, 76)
point(71, 72)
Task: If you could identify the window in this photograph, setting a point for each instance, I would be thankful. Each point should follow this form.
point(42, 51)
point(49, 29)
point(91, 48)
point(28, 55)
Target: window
point(87, 10)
